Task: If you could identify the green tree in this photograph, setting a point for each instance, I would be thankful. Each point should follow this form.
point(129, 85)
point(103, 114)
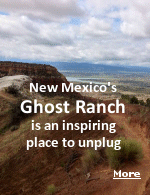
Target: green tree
point(134, 100)
point(148, 102)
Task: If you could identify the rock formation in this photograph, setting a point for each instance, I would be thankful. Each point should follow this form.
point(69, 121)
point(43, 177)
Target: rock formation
point(41, 74)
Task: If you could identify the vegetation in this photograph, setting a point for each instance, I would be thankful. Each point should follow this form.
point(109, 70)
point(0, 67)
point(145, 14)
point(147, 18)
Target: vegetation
point(148, 102)
point(131, 151)
point(131, 100)
point(141, 102)
point(13, 89)
point(16, 113)
point(51, 189)
point(125, 97)
point(90, 158)
point(134, 100)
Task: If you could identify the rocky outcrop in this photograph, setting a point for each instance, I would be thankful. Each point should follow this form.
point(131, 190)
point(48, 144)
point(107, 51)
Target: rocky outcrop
point(17, 80)
point(19, 68)
point(41, 74)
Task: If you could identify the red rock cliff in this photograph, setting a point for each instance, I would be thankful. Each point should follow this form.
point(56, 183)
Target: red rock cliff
point(42, 74)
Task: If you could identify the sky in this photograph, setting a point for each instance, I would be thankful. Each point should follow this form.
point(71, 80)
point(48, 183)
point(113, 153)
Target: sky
point(91, 31)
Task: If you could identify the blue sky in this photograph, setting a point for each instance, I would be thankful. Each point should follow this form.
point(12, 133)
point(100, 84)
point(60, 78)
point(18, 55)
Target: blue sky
point(94, 31)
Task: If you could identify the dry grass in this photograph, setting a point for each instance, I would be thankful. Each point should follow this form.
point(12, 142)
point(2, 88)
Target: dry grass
point(51, 189)
point(90, 158)
point(131, 151)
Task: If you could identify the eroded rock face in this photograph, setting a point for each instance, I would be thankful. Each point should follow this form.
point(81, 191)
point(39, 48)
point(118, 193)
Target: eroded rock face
point(38, 73)
point(18, 68)
point(42, 74)
point(147, 187)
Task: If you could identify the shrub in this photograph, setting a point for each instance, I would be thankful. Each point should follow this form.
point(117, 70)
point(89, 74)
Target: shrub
point(129, 119)
point(16, 113)
point(90, 158)
point(51, 189)
point(13, 89)
point(141, 102)
point(125, 97)
point(148, 102)
point(131, 151)
point(134, 100)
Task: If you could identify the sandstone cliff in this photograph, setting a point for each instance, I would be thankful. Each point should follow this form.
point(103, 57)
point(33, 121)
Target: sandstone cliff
point(16, 68)
point(42, 74)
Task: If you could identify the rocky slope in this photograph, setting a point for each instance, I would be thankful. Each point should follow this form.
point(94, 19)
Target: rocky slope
point(30, 172)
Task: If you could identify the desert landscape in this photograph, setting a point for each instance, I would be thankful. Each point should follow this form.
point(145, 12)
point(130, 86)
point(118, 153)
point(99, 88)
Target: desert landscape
point(68, 170)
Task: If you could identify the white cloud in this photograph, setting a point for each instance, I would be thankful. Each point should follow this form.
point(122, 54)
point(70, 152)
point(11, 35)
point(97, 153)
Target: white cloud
point(135, 22)
point(25, 30)
point(95, 28)
point(135, 14)
point(36, 30)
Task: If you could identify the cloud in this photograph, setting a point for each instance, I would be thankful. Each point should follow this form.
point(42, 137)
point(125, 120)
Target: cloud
point(76, 30)
point(135, 14)
point(47, 10)
point(95, 28)
point(135, 22)
point(25, 30)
